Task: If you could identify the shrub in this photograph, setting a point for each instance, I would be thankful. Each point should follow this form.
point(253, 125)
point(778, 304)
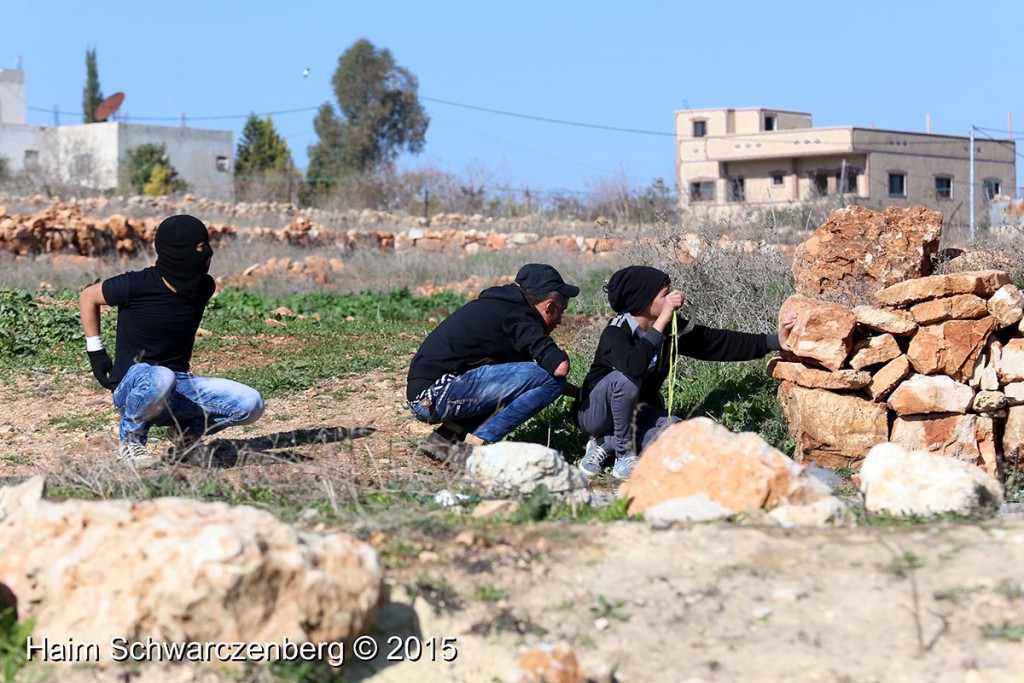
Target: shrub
point(149, 171)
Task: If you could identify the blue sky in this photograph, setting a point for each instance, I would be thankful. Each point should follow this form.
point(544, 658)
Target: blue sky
point(618, 64)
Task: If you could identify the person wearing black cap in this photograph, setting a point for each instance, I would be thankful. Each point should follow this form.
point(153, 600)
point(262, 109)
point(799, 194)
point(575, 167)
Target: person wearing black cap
point(158, 313)
point(620, 404)
point(491, 365)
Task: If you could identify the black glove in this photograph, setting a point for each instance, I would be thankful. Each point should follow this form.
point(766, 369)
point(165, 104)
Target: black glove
point(101, 367)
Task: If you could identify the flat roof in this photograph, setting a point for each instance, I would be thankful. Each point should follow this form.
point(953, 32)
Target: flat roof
point(781, 111)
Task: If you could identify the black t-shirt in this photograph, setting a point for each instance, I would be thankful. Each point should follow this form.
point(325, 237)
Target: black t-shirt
point(154, 325)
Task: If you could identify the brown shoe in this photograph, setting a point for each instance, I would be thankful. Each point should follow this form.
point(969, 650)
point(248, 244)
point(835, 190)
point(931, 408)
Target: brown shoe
point(451, 453)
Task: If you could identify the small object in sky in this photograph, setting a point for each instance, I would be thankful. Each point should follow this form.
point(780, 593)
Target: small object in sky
point(305, 72)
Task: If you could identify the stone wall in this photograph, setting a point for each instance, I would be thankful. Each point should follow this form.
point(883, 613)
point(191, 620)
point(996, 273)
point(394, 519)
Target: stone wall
point(933, 363)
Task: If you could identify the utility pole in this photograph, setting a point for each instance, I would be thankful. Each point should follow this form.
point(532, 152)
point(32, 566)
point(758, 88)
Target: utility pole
point(972, 183)
point(842, 182)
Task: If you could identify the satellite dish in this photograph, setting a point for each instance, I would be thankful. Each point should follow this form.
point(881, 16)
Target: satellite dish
point(108, 107)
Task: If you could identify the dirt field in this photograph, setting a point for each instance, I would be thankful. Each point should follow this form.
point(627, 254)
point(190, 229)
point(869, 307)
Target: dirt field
point(720, 602)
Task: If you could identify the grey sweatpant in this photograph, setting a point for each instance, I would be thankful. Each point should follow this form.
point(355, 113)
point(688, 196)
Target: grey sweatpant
point(612, 413)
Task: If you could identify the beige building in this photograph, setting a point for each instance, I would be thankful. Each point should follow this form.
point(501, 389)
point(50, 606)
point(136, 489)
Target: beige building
point(736, 159)
point(93, 155)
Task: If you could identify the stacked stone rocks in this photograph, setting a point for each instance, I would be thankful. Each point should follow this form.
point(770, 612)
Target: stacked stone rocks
point(933, 363)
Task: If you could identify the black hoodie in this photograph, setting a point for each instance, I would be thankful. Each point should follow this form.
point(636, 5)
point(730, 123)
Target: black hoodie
point(498, 327)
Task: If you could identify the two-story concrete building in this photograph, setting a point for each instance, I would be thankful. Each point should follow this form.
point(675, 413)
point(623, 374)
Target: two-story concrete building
point(735, 159)
point(93, 155)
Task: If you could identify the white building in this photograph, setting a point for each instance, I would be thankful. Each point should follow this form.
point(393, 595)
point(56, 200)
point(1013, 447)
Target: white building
point(91, 155)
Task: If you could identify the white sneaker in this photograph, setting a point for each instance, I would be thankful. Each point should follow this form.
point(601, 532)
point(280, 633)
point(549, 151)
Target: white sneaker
point(593, 459)
point(137, 455)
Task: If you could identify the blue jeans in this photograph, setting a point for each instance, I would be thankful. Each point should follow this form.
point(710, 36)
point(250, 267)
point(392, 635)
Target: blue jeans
point(492, 400)
point(150, 395)
point(612, 410)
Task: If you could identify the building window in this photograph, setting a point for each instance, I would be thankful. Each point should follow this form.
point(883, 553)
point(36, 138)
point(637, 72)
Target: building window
point(821, 184)
point(702, 191)
point(992, 187)
point(771, 122)
point(897, 184)
point(737, 190)
point(700, 129)
point(31, 158)
point(223, 164)
point(778, 178)
point(846, 181)
point(943, 187)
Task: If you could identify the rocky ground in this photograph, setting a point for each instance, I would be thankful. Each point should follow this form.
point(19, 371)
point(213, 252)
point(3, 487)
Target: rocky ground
point(738, 601)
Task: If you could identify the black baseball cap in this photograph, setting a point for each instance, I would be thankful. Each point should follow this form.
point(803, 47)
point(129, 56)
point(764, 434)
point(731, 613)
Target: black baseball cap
point(540, 278)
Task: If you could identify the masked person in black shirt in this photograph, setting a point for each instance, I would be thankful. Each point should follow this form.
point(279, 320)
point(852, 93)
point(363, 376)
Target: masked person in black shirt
point(158, 313)
point(620, 404)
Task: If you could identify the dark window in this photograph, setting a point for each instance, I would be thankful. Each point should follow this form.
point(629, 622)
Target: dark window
point(821, 184)
point(223, 164)
point(897, 184)
point(778, 178)
point(700, 129)
point(943, 187)
point(992, 187)
point(31, 158)
point(703, 191)
point(770, 122)
point(846, 181)
point(737, 190)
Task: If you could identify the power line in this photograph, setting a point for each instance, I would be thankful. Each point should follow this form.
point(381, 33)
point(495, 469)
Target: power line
point(1004, 143)
point(546, 119)
point(187, 118)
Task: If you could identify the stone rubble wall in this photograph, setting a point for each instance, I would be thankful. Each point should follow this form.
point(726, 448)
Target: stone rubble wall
point(932, 363)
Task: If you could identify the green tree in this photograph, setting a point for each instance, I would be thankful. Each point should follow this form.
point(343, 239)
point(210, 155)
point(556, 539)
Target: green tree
point(379, 115)
point(150, 172)
point(261, 149)
point(91, 93)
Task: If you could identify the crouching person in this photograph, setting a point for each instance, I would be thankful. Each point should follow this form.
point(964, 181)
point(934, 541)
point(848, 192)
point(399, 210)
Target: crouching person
point(620, 405)
point(158, 313)
point(491, 365)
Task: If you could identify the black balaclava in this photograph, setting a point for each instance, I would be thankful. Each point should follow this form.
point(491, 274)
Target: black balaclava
point(176, 257)
point(632, 289)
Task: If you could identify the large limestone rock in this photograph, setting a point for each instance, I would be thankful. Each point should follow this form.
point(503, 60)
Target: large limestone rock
point(180, 570)
point(814, 378)
point(897, 481)
point(951, 348)
point(1009, 361)
point(874, 351)
point(931, 394)
point(1013, 438)
point(970, 438)
point(510, 469)
point(983, 283)
point(1007, 306)
point(832, 430)
point(736, 471)
point(959, 307)
point(898, 323)
point(822, 333)
point(858, 251)
point(885, 380)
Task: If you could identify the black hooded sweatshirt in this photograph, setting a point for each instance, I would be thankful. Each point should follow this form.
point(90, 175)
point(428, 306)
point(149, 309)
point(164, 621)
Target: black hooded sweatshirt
point(498, 327)
point(623, 349)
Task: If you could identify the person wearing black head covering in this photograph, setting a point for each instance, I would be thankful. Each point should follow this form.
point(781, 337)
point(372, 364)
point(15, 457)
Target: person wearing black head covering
point(158, 313)
point(178, 260)
point(620, 404)
point(491, 365)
